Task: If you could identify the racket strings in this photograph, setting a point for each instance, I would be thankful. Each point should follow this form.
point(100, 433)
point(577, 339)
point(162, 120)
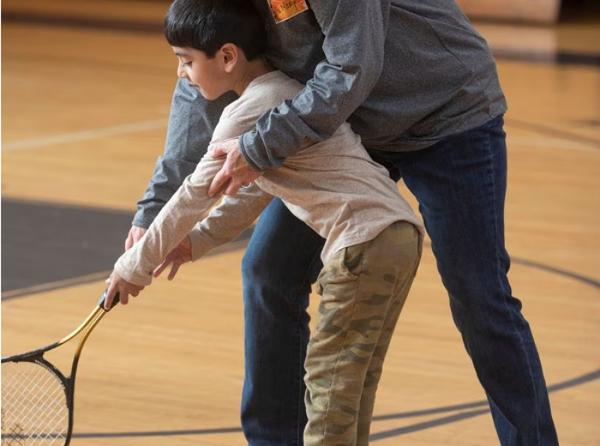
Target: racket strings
point(34, 406)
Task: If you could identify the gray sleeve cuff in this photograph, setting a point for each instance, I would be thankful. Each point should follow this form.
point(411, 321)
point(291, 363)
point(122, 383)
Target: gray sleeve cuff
point(246, 143)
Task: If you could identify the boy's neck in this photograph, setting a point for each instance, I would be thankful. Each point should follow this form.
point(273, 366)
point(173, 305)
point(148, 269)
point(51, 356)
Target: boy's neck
point(251, 71)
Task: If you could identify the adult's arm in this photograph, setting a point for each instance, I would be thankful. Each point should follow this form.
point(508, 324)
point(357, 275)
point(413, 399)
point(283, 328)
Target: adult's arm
point(354, 40)
point(191, 124)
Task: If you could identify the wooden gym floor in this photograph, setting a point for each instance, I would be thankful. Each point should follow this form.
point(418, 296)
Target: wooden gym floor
point(85, 100)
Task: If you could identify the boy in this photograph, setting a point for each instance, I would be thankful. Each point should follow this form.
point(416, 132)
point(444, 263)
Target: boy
point(372, 238)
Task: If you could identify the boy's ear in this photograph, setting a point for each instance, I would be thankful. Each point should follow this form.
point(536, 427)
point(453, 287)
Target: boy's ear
point(229, 56)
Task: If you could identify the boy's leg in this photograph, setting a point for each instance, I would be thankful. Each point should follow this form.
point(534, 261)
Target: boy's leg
point(281, 262)
point(460, 184)
point(358, 286)
point(374, 371)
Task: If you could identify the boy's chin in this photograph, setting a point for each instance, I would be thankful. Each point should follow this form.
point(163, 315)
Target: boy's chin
point(204, 94)
point(209, 97)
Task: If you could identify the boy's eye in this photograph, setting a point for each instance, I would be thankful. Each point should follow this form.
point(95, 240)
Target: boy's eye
point(186, 64)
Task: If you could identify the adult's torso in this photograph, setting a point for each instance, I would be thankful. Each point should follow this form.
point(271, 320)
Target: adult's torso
point(438, 79)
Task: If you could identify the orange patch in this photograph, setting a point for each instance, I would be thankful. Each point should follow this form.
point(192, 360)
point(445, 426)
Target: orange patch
point(286, 9)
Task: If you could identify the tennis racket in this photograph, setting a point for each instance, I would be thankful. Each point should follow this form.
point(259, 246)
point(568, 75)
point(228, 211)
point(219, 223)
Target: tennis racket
point(37, 399)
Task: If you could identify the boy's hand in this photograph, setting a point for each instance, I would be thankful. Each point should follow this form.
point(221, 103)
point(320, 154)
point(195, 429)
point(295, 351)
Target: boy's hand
point(180, 255)
point(235, 173)
point(135, 234)
point(119, 285)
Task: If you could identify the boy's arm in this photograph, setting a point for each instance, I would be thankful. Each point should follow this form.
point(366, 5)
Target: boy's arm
point(354, 49)
point(191, 124)
point(208, 234)
point(226, 221)
point(177, 218)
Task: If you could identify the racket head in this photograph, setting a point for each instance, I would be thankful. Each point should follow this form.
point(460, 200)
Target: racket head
point(36, 404)
point(37, 399)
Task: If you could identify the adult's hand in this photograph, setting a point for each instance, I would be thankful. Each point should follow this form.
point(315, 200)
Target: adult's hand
point(135, 234)
point(235, 173)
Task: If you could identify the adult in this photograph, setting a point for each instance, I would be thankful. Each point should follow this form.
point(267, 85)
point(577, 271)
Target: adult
point(419, 85)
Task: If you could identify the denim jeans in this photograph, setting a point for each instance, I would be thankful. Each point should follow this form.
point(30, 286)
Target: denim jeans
point(460, 184)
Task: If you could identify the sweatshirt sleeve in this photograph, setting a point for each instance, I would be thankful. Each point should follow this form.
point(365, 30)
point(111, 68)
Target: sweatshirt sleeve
point(354, 39)
point(191, 125)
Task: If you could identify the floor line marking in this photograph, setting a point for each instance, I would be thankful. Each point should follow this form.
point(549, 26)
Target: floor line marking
point(86, 134)
point(548, 143)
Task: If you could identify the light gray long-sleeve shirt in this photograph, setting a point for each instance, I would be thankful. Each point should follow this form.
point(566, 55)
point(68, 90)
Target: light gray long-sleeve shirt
point(333, 186)
point(403, 73)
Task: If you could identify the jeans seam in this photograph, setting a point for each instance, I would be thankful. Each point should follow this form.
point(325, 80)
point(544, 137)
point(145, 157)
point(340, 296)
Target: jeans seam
point(499, 282)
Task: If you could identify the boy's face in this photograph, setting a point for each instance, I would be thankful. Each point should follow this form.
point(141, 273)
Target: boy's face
point(208, 75)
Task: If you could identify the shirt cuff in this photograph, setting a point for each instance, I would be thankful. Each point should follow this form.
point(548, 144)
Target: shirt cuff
point(131, 272)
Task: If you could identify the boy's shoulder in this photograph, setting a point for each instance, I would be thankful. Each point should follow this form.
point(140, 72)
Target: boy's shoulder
point(267, 91)
point(262, 94)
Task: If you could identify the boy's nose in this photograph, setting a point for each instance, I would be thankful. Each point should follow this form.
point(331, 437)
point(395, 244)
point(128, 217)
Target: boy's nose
point(181, 72)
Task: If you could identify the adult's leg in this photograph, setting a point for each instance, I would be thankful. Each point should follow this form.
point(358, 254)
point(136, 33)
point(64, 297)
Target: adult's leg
point(281, 262)
point(460, 184)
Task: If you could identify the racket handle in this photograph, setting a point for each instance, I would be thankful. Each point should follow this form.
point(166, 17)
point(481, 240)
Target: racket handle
point(103, 298)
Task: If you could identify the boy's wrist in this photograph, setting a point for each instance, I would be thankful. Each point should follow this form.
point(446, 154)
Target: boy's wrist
point(130, 274)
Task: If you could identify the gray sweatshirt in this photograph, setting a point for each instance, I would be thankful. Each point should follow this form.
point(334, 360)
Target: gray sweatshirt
point(342, 194)
point(403, 73)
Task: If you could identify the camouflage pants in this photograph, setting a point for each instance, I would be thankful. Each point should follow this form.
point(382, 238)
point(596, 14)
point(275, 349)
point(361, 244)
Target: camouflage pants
point(363, 289)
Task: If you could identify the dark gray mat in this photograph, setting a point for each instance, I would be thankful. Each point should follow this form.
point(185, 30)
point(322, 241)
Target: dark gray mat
point(44, 243)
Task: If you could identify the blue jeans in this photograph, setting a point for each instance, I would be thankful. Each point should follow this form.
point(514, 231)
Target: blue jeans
point(460, 184)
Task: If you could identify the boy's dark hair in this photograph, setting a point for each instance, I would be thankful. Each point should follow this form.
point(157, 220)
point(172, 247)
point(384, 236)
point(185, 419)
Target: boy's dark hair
point(207, 25)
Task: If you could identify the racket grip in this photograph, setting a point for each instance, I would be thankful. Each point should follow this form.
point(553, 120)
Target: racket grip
point(103, 298)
